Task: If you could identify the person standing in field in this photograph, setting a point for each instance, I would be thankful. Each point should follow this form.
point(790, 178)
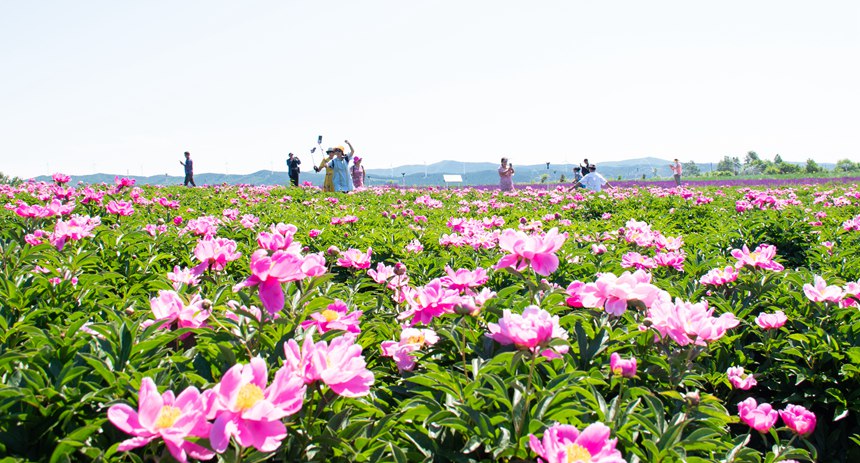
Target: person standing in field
point(340, 166)
point(676, 171)
point(358, 173)
point(593, 181)
point(293, 169)
point(189, 169)
point(505, 172)
point(328, 184)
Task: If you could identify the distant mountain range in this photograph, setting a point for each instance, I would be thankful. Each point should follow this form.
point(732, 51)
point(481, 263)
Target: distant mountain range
point(473, 173)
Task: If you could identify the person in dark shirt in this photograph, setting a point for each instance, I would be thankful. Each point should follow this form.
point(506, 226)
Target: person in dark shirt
point(189, 169)
point(293, 169)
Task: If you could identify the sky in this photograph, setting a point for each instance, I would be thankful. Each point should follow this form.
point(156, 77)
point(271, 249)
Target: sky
point(125, 88)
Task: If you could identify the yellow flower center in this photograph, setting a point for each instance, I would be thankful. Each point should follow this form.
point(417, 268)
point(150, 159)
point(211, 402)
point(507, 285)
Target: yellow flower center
point(249, 395)
point(617, 370)
point(330, 315)
point(167, 417)
point(415, 339)
point(754, 256)
point(577, 454)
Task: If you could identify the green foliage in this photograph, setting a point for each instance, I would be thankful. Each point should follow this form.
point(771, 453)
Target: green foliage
point(74, 339)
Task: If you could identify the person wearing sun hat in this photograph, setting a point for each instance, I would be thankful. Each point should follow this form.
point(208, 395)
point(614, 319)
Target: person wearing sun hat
point(340, 167)
point(357, 171)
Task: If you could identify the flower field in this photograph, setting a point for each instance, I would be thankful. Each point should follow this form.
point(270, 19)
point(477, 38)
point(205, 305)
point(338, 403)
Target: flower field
point(240, 323)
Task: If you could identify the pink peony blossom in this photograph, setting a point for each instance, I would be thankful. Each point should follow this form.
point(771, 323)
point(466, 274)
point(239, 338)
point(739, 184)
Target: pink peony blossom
point(533, 330)
point(169, 309)
point(563, 443)
point(688, 323)
point(614, 293)
point(598, 249)
point(740, 379)
point(173, 419)
point(535, 251)
point(674, 259)
point(622, 367)
point(762, 258)
point(798, 419)
point(429, 301)
point(411, 340)
point(759, 417)
point(771, 321)
point(634, 259)
point(339, 365)
point(382, 273)
point(820, 292)
point(719, 277)
point(245, 409)
point(121, 208)
point(60, 179)
point(77, 228)
point(464, 280)
point(183, 276)
point(354, 258)
point(270, 272)
point(335, 317)
point(574, 293)
point(215, 253)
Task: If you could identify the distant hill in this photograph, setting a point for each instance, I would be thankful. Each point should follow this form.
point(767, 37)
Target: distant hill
point(473, 173)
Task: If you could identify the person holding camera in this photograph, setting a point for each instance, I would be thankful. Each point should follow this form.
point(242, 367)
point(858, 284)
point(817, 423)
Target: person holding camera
point(341, 179)
point(505, 172)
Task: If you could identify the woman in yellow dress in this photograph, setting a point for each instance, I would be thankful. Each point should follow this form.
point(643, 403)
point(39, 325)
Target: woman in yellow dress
point(328, 182)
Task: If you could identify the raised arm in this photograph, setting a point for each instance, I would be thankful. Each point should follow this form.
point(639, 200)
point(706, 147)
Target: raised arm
point(351, 149)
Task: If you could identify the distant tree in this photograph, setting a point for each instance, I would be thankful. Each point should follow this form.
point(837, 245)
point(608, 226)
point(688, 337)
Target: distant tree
point(727, 164)
point(7, 180)
point(752, 158)
point(691, 169)
point(777, 159)
point(845, 165)
point(753, 164)
point(812, 167)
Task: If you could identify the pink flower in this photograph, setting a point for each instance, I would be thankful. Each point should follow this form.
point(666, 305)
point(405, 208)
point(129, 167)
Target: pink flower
point(598, 249)
point(78, 227)
point(335, 317)
point(215, 253)
point(411, 340)
point(821, 292)
point(614, 293)
point(61, 179)
point(771, 321)
point(634, 259)
point(414, 246)
point(464, 280)
point(674, 259)
point(574, 293)
point(269, 272)
point(339, 364)
point(740, 379)
point(759, 417)
point(688, 323)
point(533, 330)
point(798, 419)
point(761, 258)
point(622, 367)
point(173, 419)
point(719, 277)
point(244, 408)
point(429, 301)
point(183, 276)
point(313, 233)
point(563, 443)
point(354, 258)
point(168, 308)
point(535, 251)
point(122, 208)
point(382, 273)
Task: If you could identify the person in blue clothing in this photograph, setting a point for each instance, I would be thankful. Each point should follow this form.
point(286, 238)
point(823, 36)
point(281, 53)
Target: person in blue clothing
point(189, 169)
point(340, 165)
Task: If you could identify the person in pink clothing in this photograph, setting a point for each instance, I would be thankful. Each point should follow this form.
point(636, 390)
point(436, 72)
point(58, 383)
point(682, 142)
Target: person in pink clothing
point(357, 171)
point(676, 171)
point(505, 172)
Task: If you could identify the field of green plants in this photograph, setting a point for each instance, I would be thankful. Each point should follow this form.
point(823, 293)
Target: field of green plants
point(241, 323)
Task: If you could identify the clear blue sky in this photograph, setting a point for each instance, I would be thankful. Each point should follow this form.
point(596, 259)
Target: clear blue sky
point(126, 87)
